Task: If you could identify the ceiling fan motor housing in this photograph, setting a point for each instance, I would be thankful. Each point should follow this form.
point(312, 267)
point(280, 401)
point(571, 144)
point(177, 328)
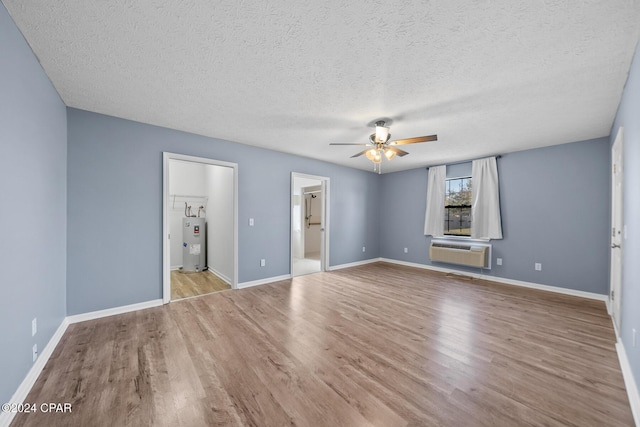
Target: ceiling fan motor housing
point(382, 133)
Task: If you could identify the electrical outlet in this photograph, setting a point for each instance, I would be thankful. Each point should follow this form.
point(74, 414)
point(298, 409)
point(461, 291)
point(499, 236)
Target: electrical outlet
point(498, 261)
point(634, 336)
point(538, 266)
point(406, 250)
point(34, 326)
point(364, 249)
point(263, 262)
point(250, 222)
point(35, 352)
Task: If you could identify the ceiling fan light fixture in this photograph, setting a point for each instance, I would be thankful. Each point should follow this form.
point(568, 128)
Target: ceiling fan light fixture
point(377, 158)
point(370, 154)
point(389, 154)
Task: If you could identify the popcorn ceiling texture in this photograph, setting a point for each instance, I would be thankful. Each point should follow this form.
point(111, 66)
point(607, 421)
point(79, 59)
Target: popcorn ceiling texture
point(487, 76)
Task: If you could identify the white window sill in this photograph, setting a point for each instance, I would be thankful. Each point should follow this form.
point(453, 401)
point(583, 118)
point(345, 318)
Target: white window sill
point(460, 239)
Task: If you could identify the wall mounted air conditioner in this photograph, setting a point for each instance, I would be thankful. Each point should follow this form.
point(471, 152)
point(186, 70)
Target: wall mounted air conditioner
point(461, 253)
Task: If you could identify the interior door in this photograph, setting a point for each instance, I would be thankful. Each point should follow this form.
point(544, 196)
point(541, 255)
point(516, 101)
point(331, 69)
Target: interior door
point(323, 214)
point(617, 226)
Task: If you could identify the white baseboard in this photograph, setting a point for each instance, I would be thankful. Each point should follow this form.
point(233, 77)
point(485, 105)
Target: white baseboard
point(263, 281)
point(175, 267)
point(629, 382)
point(113, 311)
point(615, 328)
point(353, 264)
point(220, 275)
point(28, 382)
point(566, 291)
point(423, 266)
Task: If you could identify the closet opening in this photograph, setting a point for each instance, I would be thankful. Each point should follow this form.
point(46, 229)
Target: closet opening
point(199, 226)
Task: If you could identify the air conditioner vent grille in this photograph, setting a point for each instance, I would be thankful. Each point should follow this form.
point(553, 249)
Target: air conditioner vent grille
point(451, 246)
point(471, 255)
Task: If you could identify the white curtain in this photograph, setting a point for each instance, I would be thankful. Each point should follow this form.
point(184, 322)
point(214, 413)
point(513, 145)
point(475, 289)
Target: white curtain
point(434, 215)
point(485, 205)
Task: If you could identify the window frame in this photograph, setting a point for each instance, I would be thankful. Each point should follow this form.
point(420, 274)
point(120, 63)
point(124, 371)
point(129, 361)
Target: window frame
point(447, 207)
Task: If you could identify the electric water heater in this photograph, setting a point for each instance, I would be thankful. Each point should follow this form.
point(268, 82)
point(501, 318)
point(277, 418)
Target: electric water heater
point(193, 244)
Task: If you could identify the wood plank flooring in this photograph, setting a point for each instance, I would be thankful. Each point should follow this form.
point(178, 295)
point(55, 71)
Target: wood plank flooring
point(376, 345)
point(185, 285)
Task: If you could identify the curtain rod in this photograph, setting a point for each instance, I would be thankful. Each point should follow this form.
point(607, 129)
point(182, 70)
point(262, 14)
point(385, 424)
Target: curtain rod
point(466, 161)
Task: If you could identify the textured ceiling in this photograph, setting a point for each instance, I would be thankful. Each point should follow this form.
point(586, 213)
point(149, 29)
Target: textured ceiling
point(488, 77)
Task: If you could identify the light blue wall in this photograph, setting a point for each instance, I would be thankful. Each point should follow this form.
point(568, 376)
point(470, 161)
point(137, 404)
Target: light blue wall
point(629, 117)
point(33, 160)
point(555, 211)
point(115, 208)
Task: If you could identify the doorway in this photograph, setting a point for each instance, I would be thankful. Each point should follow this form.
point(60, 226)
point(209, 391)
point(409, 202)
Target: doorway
point(617, 228)
point(199, 226)
point(309, 224)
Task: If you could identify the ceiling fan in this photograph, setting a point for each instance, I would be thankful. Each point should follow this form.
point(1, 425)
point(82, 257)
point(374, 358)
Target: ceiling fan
point(379, 145)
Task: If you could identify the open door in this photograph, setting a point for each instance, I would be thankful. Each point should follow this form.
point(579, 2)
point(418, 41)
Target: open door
point(309, 224)
point(617, 232)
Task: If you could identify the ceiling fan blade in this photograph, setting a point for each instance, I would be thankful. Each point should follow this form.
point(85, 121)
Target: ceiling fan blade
point(414, 140)
point(398, 151)
point(346, 143)
point(360, 153)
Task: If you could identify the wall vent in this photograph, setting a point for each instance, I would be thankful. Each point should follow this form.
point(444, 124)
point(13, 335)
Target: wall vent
point(461, 253)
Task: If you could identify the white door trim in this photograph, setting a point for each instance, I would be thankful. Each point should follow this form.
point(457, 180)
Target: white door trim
point(324, 241)
point(617, 221)
point(166, 265)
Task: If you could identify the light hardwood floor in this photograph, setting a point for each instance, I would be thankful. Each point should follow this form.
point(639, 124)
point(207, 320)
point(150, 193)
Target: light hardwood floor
point(379, 345)
point(185, 285)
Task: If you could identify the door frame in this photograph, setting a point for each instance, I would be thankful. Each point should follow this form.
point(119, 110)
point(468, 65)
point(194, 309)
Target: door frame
point(617, 209)
point(324, 227)
point(166, 264)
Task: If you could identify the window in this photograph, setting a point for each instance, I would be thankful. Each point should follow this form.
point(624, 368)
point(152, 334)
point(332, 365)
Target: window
point(457, 207)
